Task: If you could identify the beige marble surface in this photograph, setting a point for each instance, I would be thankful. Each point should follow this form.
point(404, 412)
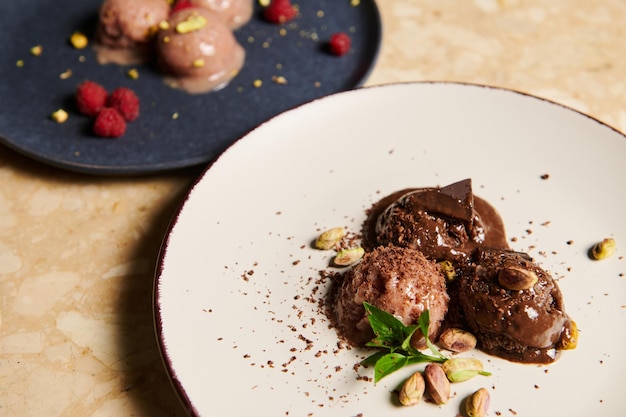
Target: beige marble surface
point(77, 253)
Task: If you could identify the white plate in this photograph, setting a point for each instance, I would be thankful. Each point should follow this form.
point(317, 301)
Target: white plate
point(236, 299)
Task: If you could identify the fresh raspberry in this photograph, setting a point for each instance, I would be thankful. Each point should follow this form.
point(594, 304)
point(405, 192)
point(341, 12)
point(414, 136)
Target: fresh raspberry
point(181, 5)
point(126, 102)
point(339, 43)
point(109, 123)
point(91, 97)
point(280, 11)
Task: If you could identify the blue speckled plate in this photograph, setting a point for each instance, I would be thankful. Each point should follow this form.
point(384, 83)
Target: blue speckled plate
point(206, 124)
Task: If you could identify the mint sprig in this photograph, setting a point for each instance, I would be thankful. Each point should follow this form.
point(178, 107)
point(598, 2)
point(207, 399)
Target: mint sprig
point(394, 339)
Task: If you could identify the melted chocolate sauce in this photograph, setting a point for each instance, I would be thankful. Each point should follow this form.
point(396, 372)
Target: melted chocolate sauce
point(447, 223)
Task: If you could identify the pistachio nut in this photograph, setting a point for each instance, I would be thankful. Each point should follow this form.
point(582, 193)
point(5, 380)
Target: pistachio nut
point(60, 116)
point(603, 250)
point(198, 63)
point(330, 238)
point(448, 270)
point(462, 369)
point(457, 340)
point(412, 390)
point(437, 383)
point(569, 337)
point(477, 404)
point(349, 256)
point(517, 279)
point(192, 23)
point(79, 40)
point(36, 50)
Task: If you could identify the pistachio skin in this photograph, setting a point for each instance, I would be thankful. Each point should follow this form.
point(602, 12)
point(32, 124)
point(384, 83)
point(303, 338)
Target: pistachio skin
point(437, 383)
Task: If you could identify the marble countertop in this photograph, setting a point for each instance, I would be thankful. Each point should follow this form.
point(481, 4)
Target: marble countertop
point(77, 253)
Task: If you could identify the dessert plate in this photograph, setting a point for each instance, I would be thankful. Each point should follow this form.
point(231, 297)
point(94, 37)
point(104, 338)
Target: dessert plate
point(239, 297)
point(175, 129)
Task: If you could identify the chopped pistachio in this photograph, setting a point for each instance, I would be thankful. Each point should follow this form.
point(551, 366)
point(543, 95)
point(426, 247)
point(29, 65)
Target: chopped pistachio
point(79, 40)
point(59, 116)
point(279, 79)
point(36, 50)
point(569, 338)
point(448, 270)
point(192, 23)
point(66, 74)
point(133, 74)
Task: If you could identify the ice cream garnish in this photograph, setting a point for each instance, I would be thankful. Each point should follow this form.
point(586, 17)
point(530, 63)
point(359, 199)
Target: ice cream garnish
point(394, 339)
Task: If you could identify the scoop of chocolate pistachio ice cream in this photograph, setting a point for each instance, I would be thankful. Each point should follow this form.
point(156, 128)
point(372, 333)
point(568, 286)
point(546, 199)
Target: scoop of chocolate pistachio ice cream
point(514, 307)
point(400, 281)
point(444, 223)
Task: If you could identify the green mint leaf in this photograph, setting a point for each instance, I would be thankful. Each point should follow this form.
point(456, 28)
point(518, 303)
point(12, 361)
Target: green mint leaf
point(394, 337)
point(388, 364)
point(372, 359)
point(387, 328)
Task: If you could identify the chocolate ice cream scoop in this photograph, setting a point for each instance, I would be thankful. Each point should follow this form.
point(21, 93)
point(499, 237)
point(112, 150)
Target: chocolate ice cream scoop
point(198, 51)
point(400, 281)
point(126, 29)
point(446, 223)
point(514, 307)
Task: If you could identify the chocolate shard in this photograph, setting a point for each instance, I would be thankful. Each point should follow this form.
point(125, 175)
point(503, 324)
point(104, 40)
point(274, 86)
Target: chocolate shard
point(455, 201)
